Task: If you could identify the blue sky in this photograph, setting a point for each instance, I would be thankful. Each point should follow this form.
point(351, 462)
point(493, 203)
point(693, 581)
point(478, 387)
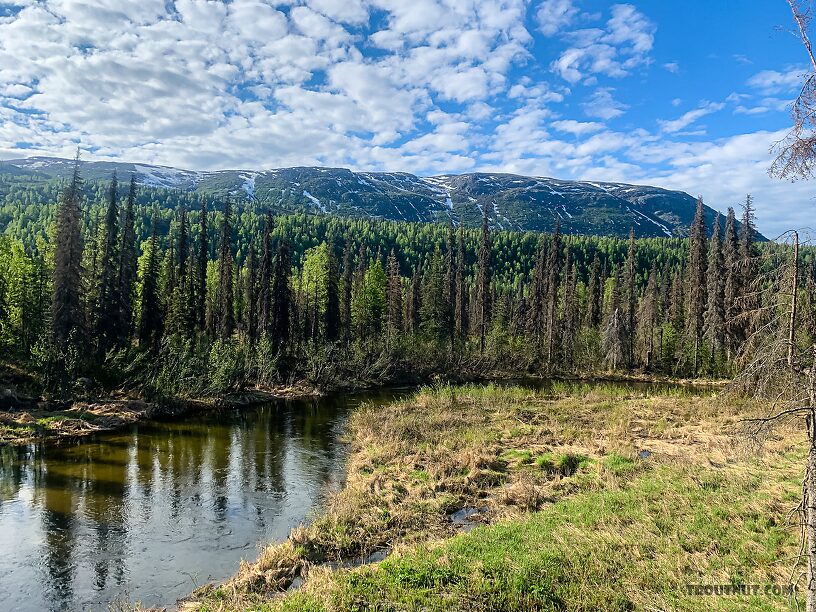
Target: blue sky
point(688, 95)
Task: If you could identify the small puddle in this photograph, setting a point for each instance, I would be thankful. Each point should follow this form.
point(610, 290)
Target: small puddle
point(468, 518)
point(375, 557)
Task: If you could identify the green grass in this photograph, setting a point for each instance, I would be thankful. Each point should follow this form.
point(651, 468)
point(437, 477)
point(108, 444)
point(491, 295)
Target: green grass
point(579, 521)
point(613, 550)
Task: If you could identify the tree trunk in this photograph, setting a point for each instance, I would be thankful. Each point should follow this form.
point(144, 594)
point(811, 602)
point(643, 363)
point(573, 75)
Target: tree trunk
point(794, 290)
point(809, 504)
point(810, 516)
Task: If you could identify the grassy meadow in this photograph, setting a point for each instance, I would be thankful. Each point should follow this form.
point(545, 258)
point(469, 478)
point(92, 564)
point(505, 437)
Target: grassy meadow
point(577, 497)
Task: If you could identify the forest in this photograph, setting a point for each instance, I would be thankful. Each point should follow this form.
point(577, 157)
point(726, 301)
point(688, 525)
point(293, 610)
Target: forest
point(176, 295)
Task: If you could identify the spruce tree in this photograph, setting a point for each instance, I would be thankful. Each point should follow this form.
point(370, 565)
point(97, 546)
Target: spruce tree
point(108, 331)
point(128, 265)
point(346, 286)
point(412, 302)
point(714, 318)
point(732, 288)
point(66, 303)
point(450, 284)
point(201, 269)
point(150, 320)
point(484, 277)
point(281, 296)
point(569, 313)
point(251, 296)
point(749, 302)
point(553, 283)
point(594, 294)
point(696, 283)
point(226, 304)
point(614, 335)
point(394, 297)
point(265, 278)
point(461, 306)
point(433, 309)
point(536, 312)
point(332, 322)
point(630, 297)
point(648, 316)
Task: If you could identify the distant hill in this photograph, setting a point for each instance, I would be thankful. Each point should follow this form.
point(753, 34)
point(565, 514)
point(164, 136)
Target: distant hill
point(518, 202)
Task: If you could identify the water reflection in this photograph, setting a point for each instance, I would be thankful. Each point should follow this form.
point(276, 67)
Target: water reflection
point(149, 513)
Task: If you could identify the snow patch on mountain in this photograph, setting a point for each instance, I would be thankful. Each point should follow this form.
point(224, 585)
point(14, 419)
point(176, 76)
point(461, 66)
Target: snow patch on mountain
point(315, 201)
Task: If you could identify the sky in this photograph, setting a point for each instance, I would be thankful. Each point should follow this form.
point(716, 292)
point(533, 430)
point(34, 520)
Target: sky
point(685, 95)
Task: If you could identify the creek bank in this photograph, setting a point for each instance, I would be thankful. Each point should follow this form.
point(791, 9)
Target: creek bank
point(420, 471)
point(24, 419)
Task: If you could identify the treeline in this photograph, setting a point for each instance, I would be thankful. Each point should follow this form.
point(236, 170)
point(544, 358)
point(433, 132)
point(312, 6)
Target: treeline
point(197, 300)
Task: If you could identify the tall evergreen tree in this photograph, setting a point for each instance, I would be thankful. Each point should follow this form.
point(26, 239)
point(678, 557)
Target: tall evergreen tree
point(128, 265)
point(732, 288)
point(226, 305)
point(150, 321)
point(551, 293)
point(433, 309)
point(332, 322)
point(346, 286)
point(615, 339)
point(393, 317)
point(631, 297)
point(66, 303)
point(109, 300)
point(412, 302)
point(714, 318)
point(537, 308)
point(484, 278)
point(450, 284)
point(696, 282)
point(265, 279)
point(251, 296)
point(749, 301)
point(648, 317)
point(594, 294)
point(461, 306)
point(201, 270)
point(281, 295)
point(569, 313)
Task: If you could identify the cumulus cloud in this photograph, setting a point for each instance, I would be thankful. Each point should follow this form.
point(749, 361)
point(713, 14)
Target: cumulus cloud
point(603, 105)
point(554, 15)
point(614, 50)
point(427, 86)
point(205, 83)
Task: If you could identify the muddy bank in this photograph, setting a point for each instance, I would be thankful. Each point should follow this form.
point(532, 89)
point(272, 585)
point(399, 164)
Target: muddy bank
point(24, 419)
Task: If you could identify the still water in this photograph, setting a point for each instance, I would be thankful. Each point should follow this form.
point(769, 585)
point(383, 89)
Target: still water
point(147, 514)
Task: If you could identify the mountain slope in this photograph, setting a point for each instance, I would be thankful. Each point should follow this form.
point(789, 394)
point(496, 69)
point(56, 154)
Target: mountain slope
point(517, 202)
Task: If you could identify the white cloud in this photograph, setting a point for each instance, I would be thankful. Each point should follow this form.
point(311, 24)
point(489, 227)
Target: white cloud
point(774, 81)
point(443, 86)
point(624, 44)
point(603, 106)
point(675, 125)
point(578, 128)
point(554, 15)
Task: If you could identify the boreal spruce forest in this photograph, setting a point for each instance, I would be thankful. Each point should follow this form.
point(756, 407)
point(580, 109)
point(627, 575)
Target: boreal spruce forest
point(184, 295)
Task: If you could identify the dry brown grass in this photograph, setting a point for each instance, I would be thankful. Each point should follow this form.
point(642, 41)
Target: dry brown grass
point(505, 451)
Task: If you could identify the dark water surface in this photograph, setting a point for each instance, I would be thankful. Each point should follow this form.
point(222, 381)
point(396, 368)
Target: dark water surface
point(149, 513)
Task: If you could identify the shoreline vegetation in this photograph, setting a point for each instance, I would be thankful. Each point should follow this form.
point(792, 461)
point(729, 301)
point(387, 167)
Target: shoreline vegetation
point(579, 496)
point(24, 418)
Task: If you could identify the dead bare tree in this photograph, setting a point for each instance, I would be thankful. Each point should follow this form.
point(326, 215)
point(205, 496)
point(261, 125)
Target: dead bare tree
point(796, 384)
point(796, 153)
point(780, 365)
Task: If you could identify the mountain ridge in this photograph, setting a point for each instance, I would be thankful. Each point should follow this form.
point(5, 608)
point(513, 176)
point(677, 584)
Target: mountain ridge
point(525, 203)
